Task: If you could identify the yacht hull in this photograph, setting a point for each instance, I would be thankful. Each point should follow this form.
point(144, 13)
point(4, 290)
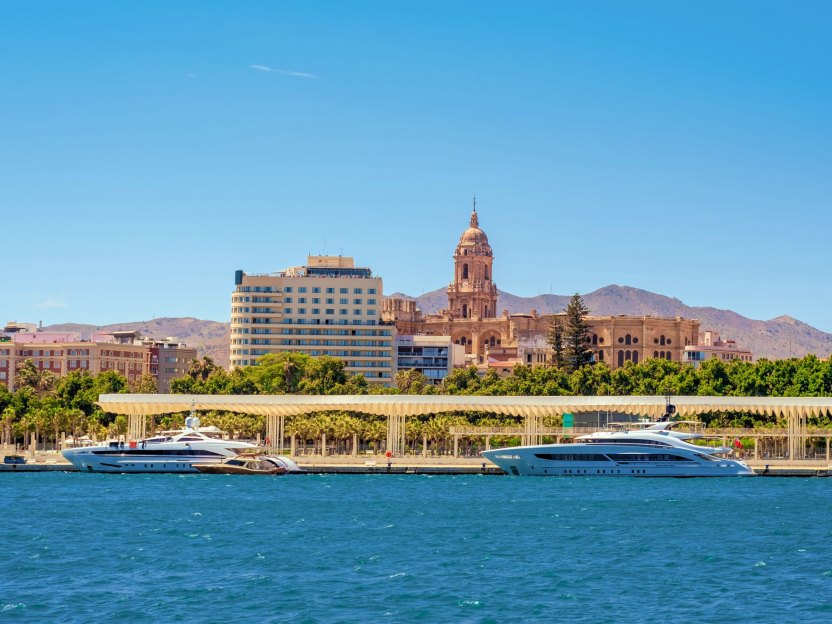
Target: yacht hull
point(572, 460)
point(133, 462)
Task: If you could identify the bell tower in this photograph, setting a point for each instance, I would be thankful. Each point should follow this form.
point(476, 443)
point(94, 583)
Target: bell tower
point(473, 294)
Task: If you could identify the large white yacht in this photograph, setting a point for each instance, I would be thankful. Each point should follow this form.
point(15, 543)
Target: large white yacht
point(653, 451)
point(165, 453)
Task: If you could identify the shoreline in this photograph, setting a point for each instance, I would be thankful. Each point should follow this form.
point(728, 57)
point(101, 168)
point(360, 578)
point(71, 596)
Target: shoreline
point(440, 465)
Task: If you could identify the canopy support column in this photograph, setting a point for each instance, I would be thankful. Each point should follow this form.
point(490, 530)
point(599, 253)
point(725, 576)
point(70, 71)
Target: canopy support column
point(275, 430)
point(136, 427)
point(396, 434)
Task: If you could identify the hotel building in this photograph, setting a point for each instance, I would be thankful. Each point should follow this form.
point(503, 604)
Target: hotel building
point(327, 307)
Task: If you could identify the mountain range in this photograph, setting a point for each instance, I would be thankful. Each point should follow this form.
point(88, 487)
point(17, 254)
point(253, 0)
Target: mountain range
point(779, 337)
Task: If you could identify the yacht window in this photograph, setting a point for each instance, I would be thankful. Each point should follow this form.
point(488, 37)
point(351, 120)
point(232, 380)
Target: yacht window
point(572, 456)
point(647, 457)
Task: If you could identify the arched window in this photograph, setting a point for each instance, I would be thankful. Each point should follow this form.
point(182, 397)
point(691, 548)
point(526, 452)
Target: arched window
point(464, 311)
point(493, 341)
point(655, 354)
point(600, 356)
point(463, 340)
point(595, 339)
point(486, 312)
point(621, 358)
point(486, 274)
point(627, 355)
point(635, 357)
point(668, 355)
point(661, 340)
point(464, 271)
point(628, 339)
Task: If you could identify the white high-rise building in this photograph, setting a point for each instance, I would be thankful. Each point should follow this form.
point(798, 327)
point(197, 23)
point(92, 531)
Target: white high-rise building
point(327, 307)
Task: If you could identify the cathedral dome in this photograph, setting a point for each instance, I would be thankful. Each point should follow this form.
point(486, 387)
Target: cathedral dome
point(473, 234)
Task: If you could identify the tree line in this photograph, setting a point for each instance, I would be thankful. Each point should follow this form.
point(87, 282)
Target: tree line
point(49, 406)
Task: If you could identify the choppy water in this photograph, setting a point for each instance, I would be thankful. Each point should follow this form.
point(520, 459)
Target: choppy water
point(347, 548)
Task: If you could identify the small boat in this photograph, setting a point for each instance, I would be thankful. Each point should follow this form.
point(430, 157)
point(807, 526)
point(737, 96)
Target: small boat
point(244, 466)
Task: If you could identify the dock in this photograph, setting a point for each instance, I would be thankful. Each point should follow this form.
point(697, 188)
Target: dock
point(441, 466)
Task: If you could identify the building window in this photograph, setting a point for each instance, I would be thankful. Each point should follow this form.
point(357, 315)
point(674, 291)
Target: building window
point(357, 291)
point(302, 289)
point(620, 358)
point(330, 301)
point(371, 291)
point(344, 291)
point(628, 339)
point(661, 340)
point(635, 357)
point(287, 289)
point(465, 271)
point(315, 289)
point(330, 291)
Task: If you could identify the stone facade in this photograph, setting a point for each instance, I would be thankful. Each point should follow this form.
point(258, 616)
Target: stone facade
point(500, 342)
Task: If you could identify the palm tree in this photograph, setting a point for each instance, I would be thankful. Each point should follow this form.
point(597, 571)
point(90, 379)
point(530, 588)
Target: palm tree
point(30, 376)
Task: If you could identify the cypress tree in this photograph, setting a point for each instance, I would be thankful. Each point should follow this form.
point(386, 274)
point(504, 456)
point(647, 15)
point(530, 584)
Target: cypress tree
point(576, 333)
point(555, 338)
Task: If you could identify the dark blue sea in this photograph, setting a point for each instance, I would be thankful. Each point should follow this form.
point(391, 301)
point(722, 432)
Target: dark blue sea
point(410, 548)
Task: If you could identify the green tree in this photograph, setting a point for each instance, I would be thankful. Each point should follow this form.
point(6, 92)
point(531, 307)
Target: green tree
point(30, 376)
point(576, 336)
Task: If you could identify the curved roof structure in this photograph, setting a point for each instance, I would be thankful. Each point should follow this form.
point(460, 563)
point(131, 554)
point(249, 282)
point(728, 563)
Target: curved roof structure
point(416, 405)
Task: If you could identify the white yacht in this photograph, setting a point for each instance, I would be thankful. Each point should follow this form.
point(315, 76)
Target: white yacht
point(165, 453)
point(654, 451)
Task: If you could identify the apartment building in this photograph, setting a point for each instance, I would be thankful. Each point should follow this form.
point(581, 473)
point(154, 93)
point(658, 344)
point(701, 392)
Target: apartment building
point(713, 346)
point(127, 353)
point(433, 356)
point(326, 307)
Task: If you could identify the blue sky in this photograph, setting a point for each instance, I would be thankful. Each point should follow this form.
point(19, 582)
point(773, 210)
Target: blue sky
point(147, 150)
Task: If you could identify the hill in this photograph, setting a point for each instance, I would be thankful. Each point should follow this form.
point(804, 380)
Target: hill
point(780, 337)
point(210, 338)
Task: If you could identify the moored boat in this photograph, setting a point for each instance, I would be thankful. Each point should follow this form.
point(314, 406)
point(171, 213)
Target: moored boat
point(244, 466)
point(161, 454)
point(654, 451)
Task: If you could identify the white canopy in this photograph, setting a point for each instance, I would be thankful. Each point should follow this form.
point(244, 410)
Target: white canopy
point(414, 405)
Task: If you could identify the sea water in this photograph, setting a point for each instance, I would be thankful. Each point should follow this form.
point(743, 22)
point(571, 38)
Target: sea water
point(411, 548)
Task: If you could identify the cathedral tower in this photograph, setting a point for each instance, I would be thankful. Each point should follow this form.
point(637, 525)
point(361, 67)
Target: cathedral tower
point(472, 294)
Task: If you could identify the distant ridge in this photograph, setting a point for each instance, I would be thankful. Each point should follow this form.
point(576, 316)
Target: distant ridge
point(780, 337)
point(210, 338)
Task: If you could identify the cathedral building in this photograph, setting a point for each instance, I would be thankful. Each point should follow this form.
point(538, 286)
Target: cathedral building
point(500, 342)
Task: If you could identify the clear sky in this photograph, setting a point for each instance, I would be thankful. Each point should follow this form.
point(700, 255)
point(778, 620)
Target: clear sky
point(149, 149)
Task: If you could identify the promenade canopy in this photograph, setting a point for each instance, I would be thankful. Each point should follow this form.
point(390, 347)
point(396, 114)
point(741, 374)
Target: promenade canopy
point(416, 405)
